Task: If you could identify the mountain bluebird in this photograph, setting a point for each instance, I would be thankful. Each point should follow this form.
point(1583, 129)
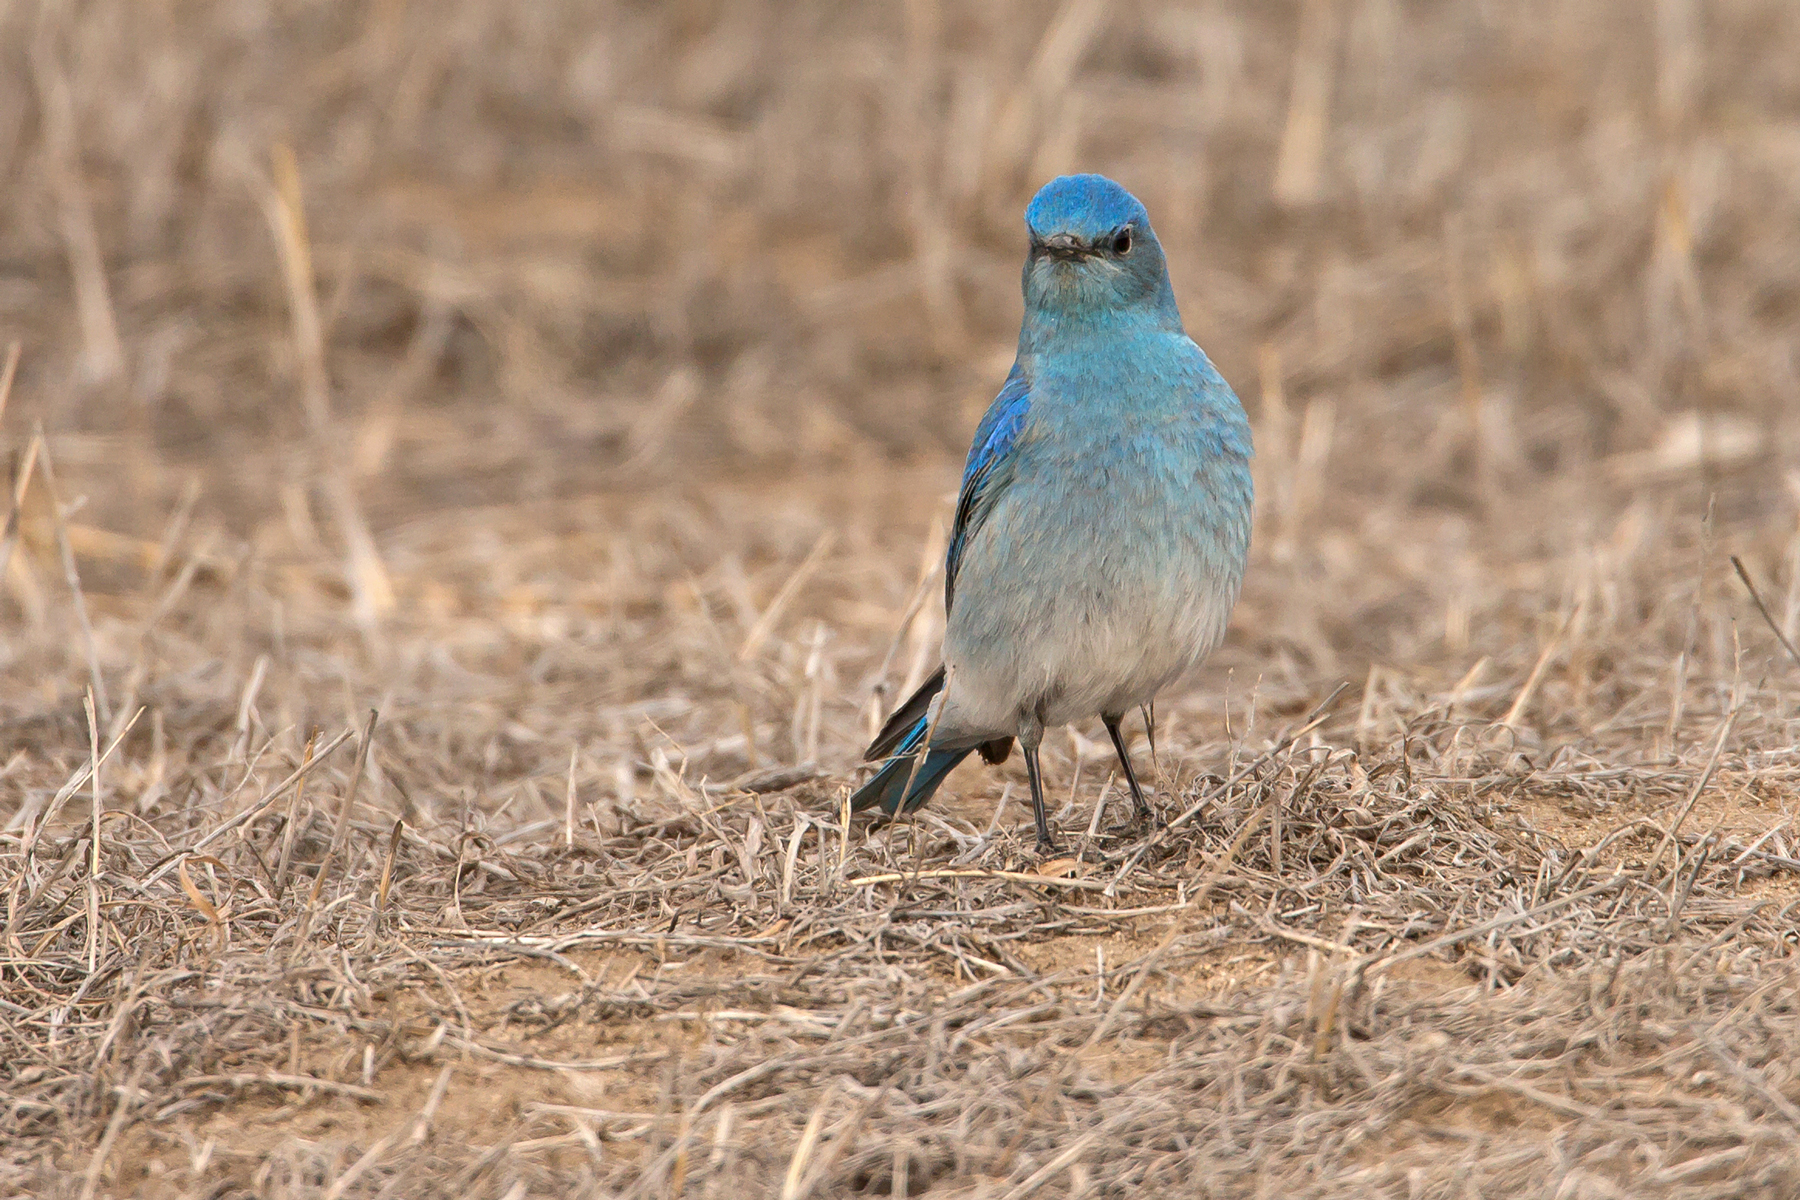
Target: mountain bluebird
point(1104, 517)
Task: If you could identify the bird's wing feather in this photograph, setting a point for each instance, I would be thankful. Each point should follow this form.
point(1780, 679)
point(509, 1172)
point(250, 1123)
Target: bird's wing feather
point(900, 722)
point(988, 470)
point(984, 478)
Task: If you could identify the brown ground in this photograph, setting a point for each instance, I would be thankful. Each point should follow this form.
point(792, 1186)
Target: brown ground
point(581, 388)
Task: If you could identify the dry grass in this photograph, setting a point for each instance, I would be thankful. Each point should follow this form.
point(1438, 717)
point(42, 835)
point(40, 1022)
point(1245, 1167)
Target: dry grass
point(579, 388)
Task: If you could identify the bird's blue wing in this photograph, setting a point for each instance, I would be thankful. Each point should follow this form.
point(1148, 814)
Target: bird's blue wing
point(987, 471)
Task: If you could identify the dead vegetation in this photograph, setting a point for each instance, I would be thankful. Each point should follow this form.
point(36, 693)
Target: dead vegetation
point(578, 390)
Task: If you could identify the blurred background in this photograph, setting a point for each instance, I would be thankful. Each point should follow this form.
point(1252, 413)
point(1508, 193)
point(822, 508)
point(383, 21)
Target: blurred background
point(602, 336)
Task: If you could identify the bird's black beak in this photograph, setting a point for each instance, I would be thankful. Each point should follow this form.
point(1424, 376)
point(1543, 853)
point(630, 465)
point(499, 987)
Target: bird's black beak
point(1065, 247)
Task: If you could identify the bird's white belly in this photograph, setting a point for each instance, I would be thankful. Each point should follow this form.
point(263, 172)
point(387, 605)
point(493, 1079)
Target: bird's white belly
point(1025, 639)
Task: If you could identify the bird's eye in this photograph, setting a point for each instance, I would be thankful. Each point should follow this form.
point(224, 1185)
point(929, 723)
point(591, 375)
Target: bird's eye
point(1121, 242)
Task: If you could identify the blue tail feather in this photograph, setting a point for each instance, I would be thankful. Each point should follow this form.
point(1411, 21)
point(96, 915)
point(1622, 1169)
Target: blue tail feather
point(885, 787)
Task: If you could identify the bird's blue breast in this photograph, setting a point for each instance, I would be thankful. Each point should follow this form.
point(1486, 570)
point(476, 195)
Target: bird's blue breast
point(1139, 434)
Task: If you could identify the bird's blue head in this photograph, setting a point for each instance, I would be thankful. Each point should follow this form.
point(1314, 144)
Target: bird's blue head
point(1093, 252)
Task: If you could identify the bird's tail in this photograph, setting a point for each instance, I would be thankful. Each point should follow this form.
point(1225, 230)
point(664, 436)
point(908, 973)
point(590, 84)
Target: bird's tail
point(889, 786)
point(901, 740)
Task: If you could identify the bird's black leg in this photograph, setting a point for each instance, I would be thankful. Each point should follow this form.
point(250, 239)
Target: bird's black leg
point(1144, 811)
point(1045, 843)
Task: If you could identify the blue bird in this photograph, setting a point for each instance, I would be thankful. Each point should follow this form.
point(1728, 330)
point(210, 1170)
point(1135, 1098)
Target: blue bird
point(1104, 518)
